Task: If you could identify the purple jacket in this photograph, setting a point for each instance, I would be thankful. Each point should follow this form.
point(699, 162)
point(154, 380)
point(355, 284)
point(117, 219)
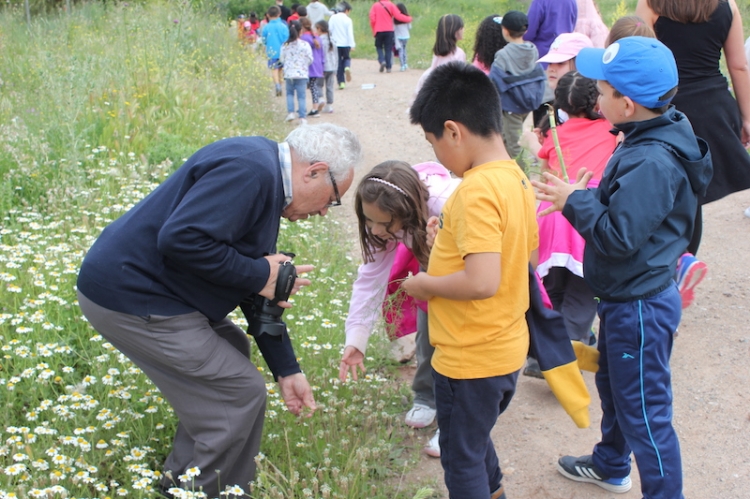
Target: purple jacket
point(316, 68)
point(547, 20)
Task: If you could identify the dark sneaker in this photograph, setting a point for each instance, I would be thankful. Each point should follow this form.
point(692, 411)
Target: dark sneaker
point(582, 469)
point(382, 67)
point(532, 369)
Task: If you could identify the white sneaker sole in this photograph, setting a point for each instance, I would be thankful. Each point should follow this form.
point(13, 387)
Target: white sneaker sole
point(617, 489)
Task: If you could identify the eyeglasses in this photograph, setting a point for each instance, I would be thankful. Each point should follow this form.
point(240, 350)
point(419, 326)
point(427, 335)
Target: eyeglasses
point(335, 192)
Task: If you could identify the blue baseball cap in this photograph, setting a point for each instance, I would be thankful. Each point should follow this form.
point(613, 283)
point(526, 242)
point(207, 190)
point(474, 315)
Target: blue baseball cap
point(638, 67)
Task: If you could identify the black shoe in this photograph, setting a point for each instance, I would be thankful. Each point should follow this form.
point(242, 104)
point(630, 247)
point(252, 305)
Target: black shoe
point(532, 369)
point(314, 112)
point(582, 469)
point(592, 338)
point(382, 67)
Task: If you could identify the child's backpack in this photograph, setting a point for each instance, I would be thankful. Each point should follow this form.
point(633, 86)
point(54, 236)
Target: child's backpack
point(520, 94)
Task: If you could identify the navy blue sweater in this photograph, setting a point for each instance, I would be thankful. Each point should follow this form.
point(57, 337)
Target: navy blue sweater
point(640, 219)
point(197, 242)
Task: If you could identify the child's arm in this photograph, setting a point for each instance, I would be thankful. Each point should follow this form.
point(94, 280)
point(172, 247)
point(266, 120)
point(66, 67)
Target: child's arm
point(737, 65)
point(365, 306)
point(479, 280)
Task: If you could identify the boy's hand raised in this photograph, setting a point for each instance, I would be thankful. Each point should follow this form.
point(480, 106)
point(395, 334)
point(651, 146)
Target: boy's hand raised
point(556, 190)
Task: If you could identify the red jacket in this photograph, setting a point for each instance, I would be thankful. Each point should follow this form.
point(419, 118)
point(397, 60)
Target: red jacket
point(382, 14)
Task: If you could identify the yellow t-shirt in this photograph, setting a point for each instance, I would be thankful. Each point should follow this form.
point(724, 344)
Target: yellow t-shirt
point(492, 211)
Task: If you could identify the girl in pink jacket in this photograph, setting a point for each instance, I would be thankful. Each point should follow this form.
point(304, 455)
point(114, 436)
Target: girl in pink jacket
point(396, 204)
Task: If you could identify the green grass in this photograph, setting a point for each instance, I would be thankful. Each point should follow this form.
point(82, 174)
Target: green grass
point(96, 108)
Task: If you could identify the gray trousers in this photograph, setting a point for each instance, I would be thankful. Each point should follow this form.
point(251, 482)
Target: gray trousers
point(423, 384)
point(203, 370)
point(328, 81)
point(512, 128)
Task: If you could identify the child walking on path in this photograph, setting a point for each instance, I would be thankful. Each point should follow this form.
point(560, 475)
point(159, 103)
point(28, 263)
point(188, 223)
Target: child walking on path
point(395, 202)
point(585, 140)
point(449, 32)
point(274, 35)
point(636, 225)
point(401, 31)
point(382, 15)
point(296, 55)
point(330, 65)
point(477, 281)
point(315, 71)
point(342, 34)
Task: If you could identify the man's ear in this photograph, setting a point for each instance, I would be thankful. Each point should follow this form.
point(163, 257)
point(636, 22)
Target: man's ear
point(315, 169)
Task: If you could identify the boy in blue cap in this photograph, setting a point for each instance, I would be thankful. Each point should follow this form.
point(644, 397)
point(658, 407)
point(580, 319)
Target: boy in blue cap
point(636, 225)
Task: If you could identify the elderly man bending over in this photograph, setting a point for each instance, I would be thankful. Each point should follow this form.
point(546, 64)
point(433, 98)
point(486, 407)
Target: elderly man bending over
point(159, 282)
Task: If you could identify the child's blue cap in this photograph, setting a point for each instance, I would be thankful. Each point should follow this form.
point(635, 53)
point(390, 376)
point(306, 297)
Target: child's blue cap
point(638, 67)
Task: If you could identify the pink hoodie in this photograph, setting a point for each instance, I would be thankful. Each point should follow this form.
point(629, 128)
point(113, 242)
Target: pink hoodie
point(369, 289)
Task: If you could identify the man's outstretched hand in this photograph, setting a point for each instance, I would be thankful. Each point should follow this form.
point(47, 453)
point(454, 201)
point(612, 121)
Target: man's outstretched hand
point(297, 393)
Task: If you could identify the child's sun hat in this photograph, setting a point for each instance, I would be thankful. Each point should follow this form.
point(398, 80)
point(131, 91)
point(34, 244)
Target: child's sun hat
point(566, 47)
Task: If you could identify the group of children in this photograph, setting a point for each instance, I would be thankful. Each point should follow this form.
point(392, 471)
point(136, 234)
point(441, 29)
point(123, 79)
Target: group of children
point(626, 215)
point(306, 56)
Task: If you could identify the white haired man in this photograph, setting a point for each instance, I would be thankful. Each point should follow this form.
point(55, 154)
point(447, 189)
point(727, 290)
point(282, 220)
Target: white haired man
point(159, 282)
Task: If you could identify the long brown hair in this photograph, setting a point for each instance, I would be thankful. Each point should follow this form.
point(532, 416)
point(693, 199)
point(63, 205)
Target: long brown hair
point(307, 27)
point(629, 26)
point(407, 203)
point(445, 36)
point(685, 11)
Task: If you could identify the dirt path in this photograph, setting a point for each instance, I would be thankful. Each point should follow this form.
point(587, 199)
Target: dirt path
point(710, 360)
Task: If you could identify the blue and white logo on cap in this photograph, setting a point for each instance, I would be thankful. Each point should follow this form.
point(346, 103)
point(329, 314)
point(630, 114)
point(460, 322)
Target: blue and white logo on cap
point(610, 53)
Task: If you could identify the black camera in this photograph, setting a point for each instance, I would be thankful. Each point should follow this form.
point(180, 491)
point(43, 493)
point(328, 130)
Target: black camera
point(264, 315)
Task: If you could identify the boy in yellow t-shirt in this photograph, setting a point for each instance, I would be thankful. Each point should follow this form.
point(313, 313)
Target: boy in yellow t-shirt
point(477, 278)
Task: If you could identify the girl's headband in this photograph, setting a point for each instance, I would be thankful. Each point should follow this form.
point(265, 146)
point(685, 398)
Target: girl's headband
point(392, 186)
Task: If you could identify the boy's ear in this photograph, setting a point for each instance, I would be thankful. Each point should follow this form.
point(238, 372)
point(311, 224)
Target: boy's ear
point(452, 130)
point(630, 107)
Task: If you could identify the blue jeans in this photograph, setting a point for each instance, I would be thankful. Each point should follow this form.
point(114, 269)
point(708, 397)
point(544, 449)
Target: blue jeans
point(345, 61)
point(402, 51)
point(634, 383)
point(298, 86)
point(467, 409)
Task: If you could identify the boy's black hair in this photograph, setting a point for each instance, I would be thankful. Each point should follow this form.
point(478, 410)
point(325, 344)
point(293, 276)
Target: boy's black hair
point(273, 11)
point(302, 11)
point(460, 92)
point(657, 110)
point(401, 8)
point(343, 7)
